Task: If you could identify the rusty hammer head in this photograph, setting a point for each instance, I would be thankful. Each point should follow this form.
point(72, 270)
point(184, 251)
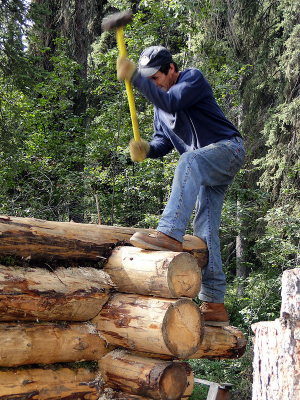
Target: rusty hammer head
point(117, 20)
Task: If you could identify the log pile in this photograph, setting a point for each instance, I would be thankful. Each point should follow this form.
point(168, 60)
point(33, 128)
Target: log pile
point(132, 317)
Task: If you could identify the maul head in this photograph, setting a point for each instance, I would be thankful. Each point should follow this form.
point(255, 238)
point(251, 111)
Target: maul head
point(117, 20)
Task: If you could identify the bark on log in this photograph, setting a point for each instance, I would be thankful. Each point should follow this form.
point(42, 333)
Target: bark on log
point(110, 394)
point(290, 293)
point(151, 324)
point(276, 362)
point(190, 381)
point(39, 239)
point(48, 343)
point(159, 273)
point(146, 377)
point(221, 343)
point(72, 294)
point(39, 384)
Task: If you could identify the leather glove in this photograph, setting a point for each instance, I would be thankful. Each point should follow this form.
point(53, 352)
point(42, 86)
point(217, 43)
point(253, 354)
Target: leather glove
point(125, 68)
point(139, 150)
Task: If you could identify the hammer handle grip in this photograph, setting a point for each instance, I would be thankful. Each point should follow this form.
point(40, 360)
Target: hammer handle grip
point(122, 50)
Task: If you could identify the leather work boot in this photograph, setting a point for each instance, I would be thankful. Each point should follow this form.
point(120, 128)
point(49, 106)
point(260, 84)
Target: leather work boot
point(155, 241)
point(214, 314)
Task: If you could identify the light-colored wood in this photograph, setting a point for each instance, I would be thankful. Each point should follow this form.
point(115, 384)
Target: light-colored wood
point(40, 384)
point(151, 324)
point(290, 293)
point(70, 294)
point(48, 343)
point(159, 273)
point(276, 361)
point(146, 377)
point(221, 343)
point(35, 238)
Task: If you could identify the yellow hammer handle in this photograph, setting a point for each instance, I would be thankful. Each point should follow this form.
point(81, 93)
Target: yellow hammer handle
point(122, 50)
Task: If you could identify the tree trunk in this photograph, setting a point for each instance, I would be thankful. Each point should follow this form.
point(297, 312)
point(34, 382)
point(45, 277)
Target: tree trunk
point(47, 343)
point(68, 294)
point(46, 384)
point(29, 237)
point(143, 376)
point(221, 343)
point(151, 324)
point(241, 269)
point(276, 362)
point(159, 273)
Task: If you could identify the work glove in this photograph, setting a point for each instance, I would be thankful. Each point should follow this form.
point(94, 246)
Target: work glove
point(139, 150)
point(125, 68)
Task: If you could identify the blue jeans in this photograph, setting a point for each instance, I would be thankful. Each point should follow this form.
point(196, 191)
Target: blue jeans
point(201, 178)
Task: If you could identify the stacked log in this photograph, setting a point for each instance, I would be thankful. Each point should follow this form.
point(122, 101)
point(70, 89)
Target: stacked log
point(135, 317)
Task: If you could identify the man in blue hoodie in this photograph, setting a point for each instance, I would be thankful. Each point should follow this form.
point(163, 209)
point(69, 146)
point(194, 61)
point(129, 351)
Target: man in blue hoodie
point(188, 118)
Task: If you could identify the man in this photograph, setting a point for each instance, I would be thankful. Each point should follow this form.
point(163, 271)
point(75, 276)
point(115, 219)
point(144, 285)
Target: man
point(187, 117)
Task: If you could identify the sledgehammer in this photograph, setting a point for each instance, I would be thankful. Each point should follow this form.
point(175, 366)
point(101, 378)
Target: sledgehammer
point(118, 20)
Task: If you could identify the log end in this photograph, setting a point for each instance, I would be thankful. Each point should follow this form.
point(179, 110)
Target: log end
point(173, 382)
point(183, 328)
point(184, 276)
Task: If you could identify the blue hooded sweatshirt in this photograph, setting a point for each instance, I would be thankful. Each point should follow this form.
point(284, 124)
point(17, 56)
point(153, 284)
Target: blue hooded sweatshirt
point(187, 116)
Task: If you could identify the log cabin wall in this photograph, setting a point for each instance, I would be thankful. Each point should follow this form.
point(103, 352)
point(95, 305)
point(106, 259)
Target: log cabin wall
point(134, 318)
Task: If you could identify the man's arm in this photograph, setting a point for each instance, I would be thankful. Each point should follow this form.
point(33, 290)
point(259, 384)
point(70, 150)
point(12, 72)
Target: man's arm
point(191, 88)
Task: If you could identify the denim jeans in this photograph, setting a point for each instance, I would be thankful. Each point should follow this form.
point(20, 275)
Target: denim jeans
point(201, 179)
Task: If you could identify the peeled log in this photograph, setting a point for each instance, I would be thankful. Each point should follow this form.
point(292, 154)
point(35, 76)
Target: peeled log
point(48, 343)
point(161, 273)
point(146, 377)
point(221, 343)
point(39, 384)
point(39, 239)
point(70, 294)
point(151, 324)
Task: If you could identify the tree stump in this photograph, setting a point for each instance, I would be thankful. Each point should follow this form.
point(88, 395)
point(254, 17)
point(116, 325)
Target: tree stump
point(276, 363)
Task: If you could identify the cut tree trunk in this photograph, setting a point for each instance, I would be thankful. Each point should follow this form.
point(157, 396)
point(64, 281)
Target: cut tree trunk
point(70, 294)
point(47, 343)
point(159, 273)
point(151, 324)
point(39, 239)
point(41, 384)
point(221, 343)
point(276, 362)
point(146, 377)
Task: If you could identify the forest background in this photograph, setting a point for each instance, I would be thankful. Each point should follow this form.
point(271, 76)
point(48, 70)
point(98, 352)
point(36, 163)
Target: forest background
point(65, 127)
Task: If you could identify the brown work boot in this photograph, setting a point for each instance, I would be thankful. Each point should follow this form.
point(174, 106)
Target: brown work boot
point(214, 314)
point(155, 241)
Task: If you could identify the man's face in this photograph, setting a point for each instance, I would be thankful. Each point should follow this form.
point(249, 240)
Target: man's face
point(164, 81)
